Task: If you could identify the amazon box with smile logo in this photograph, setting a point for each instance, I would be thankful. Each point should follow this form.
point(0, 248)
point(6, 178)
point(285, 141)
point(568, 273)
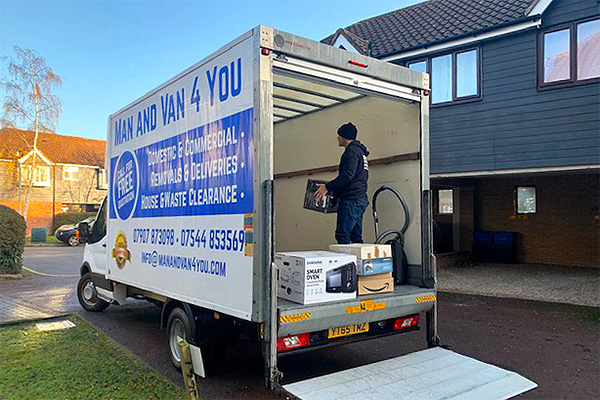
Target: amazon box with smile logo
point(373, 284)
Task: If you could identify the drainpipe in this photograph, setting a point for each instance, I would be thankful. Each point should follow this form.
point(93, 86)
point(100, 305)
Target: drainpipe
point(20, 186)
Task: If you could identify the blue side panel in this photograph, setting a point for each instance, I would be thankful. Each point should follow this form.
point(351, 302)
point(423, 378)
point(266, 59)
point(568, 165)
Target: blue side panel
point(207, 170)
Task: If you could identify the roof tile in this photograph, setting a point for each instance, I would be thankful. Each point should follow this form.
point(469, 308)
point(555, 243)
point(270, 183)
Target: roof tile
point(432, 21)
point(60, 149)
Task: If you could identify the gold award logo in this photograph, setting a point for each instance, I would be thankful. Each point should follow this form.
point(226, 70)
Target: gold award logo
point(120, 252)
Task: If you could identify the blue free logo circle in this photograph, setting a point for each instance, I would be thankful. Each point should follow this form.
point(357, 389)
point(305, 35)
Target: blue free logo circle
point(126, 185)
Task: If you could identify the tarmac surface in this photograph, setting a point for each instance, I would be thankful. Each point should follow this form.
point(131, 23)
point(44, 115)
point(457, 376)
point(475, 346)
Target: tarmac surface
point(554, 344)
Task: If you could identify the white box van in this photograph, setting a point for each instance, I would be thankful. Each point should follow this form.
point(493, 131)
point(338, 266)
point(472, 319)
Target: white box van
point(207, 177)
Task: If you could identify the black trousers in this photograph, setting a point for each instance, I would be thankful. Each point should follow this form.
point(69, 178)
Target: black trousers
point(349, 220)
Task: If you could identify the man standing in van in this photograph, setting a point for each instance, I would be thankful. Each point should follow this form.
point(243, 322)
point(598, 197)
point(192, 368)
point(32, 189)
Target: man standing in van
point(350, 186)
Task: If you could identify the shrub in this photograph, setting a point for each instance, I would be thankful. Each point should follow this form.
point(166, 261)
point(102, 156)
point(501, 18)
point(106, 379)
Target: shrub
point(12, 240)
point(70, 218)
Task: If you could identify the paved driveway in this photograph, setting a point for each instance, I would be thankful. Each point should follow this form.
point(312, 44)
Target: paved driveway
point(48, 287)
point(553, 283)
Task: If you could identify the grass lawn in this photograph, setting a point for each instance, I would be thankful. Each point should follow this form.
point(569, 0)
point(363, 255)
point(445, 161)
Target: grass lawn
point(76, 363)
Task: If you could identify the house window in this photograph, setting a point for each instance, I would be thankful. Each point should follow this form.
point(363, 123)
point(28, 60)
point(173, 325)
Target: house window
point(526, 200)
point(557, 56)
point(454, 76)
point(445, 201)
point(70, 173)
point(420, 66)
point(569, 54)
point(441, 79)
point(466, 74)
point(40, 175)
point(588, 48)
point(101, 179)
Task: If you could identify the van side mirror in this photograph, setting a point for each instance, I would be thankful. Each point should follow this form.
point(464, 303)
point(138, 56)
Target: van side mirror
point(84, 231)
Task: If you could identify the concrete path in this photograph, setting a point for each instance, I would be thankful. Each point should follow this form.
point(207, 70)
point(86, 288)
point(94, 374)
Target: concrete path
point(48, 287)
point(551, 283)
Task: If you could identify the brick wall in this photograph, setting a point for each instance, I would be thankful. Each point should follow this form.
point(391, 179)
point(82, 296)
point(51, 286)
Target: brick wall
point(39, 214)
point(565, 229)
point(84, 190)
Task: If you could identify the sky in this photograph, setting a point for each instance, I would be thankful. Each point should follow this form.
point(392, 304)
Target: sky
point(108, 53)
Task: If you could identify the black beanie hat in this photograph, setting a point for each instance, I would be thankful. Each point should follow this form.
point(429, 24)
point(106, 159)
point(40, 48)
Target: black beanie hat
point(348, 131)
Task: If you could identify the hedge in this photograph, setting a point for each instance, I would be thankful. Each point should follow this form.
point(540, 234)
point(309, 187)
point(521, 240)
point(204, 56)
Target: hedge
point(12, 240)
point(70, 218)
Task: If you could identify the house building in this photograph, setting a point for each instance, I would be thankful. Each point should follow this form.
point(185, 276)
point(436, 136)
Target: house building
point(515, 117)
point(69, 174)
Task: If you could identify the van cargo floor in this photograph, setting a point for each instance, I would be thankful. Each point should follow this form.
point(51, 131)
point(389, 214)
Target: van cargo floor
point(432, 374)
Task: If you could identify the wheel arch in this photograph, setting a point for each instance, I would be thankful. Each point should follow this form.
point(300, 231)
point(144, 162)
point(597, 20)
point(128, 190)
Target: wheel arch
point(85, 268)
point(171, 304)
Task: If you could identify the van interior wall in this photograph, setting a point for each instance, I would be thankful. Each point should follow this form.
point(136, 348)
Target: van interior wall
point(388, 128)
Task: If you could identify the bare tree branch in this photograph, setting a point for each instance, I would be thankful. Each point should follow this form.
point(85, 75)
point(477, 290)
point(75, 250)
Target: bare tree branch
point(29, 99)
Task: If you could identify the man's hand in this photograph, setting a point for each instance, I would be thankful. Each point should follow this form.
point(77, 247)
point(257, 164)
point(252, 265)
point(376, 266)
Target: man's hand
point(321, 192)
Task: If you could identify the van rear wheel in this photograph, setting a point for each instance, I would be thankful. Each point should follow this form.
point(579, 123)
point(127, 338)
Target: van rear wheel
point(87, 295)
point(178, 326)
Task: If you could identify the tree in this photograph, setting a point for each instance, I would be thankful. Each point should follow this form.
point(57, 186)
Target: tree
point(29, 101)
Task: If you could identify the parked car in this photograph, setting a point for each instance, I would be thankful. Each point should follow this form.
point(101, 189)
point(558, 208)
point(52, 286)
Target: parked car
point(68, 233)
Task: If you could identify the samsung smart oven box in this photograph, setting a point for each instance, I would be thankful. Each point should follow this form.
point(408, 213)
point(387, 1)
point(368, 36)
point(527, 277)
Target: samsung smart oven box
point(327, 205)
point(309, 277)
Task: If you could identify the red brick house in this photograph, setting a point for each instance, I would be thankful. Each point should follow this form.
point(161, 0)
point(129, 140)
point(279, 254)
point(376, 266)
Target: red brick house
point(69, 174)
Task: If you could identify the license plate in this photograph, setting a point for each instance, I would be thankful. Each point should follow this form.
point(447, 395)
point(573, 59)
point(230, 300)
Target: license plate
point(348, 330)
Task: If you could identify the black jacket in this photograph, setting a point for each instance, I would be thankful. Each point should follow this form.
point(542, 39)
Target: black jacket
point(351, 182)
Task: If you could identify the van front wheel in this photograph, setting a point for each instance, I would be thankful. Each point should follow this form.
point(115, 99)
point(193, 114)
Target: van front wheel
point(87, 296)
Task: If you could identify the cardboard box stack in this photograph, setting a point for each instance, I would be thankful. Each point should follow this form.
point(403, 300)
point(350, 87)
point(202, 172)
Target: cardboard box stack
point(374, 266)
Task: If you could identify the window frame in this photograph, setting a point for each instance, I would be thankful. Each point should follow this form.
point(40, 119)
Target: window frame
point(517, 212)
point(455, 98)
point(68, 171)
point(101, 179)
point(573, 80)
point(437, 201)
point(35, 175)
